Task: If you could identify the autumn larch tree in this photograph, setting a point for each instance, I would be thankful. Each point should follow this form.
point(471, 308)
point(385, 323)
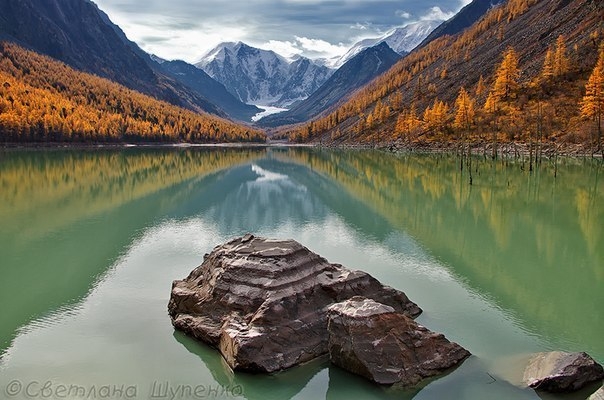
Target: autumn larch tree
point(548, 65)
point(400, 127)
point(464, 118)
point(561, 64)
point(592, 105)
point(465, 110)
point(480, 87)
point(506, 81)
point(504, 89)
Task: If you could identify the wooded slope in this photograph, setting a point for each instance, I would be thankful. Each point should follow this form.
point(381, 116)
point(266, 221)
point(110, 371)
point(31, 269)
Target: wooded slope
point(418, 99)
point(44, 100)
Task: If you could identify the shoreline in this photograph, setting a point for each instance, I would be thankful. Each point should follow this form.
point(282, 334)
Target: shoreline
point(508, 149)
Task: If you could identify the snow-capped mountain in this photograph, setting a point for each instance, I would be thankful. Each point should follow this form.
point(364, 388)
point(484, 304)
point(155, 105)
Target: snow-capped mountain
point(263, 77)
point(359, 70)
point(402, 40)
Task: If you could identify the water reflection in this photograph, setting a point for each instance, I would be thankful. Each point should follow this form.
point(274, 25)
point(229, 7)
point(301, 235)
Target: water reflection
point(275, 386)
point(67, 215)
point(510, 265)
point(261, 198)
point(529, 241)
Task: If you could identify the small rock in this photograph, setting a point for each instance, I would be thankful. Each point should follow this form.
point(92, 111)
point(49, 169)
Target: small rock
point(562, 372)
point(373, 340)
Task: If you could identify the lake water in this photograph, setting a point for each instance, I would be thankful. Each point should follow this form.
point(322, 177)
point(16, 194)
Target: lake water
point(91, 240)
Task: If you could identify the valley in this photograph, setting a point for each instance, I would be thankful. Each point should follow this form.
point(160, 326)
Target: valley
point(401, 89)
point(451, 149)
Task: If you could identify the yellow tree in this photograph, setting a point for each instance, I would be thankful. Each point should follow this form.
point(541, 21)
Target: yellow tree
point(560, 59)
point(412, 122)
point(491, 107)
point(506, 81)
point(435, 117)
point(480, 87)
point(548, 65)
point(369, 121)
point(396, 100)
point(401, 125)
point(385, 113)
point(592, 105)
point(464, 118)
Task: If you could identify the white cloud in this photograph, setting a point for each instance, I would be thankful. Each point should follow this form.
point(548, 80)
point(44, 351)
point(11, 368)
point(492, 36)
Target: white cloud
point(187, 29)
point(321, 47)
point(435, 13)
point(404, 14)
point(312, 48)
point(359, 26)
point(285, 48)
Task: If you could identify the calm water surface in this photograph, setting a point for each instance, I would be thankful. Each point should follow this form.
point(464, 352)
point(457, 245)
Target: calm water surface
point(90, 242)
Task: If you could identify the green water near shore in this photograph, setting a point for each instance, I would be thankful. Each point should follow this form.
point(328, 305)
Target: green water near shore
point(91, 240)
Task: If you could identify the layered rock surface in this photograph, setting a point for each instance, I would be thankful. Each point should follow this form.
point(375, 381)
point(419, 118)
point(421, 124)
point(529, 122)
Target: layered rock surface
point(373, 340)
point(558, 371)
point(264, 303)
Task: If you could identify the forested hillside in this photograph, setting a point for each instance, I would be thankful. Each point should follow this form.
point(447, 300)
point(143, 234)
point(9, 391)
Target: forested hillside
point(43, 100)
point(518, 74)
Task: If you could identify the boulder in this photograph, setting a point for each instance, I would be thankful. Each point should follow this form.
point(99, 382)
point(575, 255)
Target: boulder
point(264, 303)
point(375, 341)
point(562, 372)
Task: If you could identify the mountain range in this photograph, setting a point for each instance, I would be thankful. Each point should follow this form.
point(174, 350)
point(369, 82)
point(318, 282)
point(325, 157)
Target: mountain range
point(257, 76)
point(518, 73)
point(402, 40)
point(409, 72)
point(356, 72)
point(78, 33)
point(305, 87)
point(227, 80)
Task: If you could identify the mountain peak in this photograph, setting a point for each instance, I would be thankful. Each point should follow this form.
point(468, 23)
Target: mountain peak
point(263, 77)
point(467, 16)
point(402, 39)
point(356, 72)
point(218, 51)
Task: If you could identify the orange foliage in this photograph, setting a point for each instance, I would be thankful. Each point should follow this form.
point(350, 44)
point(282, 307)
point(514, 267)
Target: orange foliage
point(45, 100)
point(506, 97)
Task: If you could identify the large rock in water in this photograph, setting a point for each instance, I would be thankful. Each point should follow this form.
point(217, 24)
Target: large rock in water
point(562, 372)
point(373, 340)
point(264, 303)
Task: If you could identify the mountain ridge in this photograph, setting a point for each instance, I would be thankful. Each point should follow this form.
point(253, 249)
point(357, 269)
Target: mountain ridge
point(46, 101)
point(357, 71)
point(416, 100)
point(402, 39)
point(463, 19)
point(202, 83)
point(80, 34)
point(257, 76)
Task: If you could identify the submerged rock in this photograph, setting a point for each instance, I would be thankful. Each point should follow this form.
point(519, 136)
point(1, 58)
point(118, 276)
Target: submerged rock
point(562, 372)
point(264, 303)
point(373, 340)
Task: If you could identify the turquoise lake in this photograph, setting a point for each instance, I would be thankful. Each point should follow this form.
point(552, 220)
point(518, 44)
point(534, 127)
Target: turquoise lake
point(91, 240)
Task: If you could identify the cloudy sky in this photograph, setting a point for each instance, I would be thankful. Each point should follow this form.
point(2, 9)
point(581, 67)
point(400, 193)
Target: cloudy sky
point(187, 29)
